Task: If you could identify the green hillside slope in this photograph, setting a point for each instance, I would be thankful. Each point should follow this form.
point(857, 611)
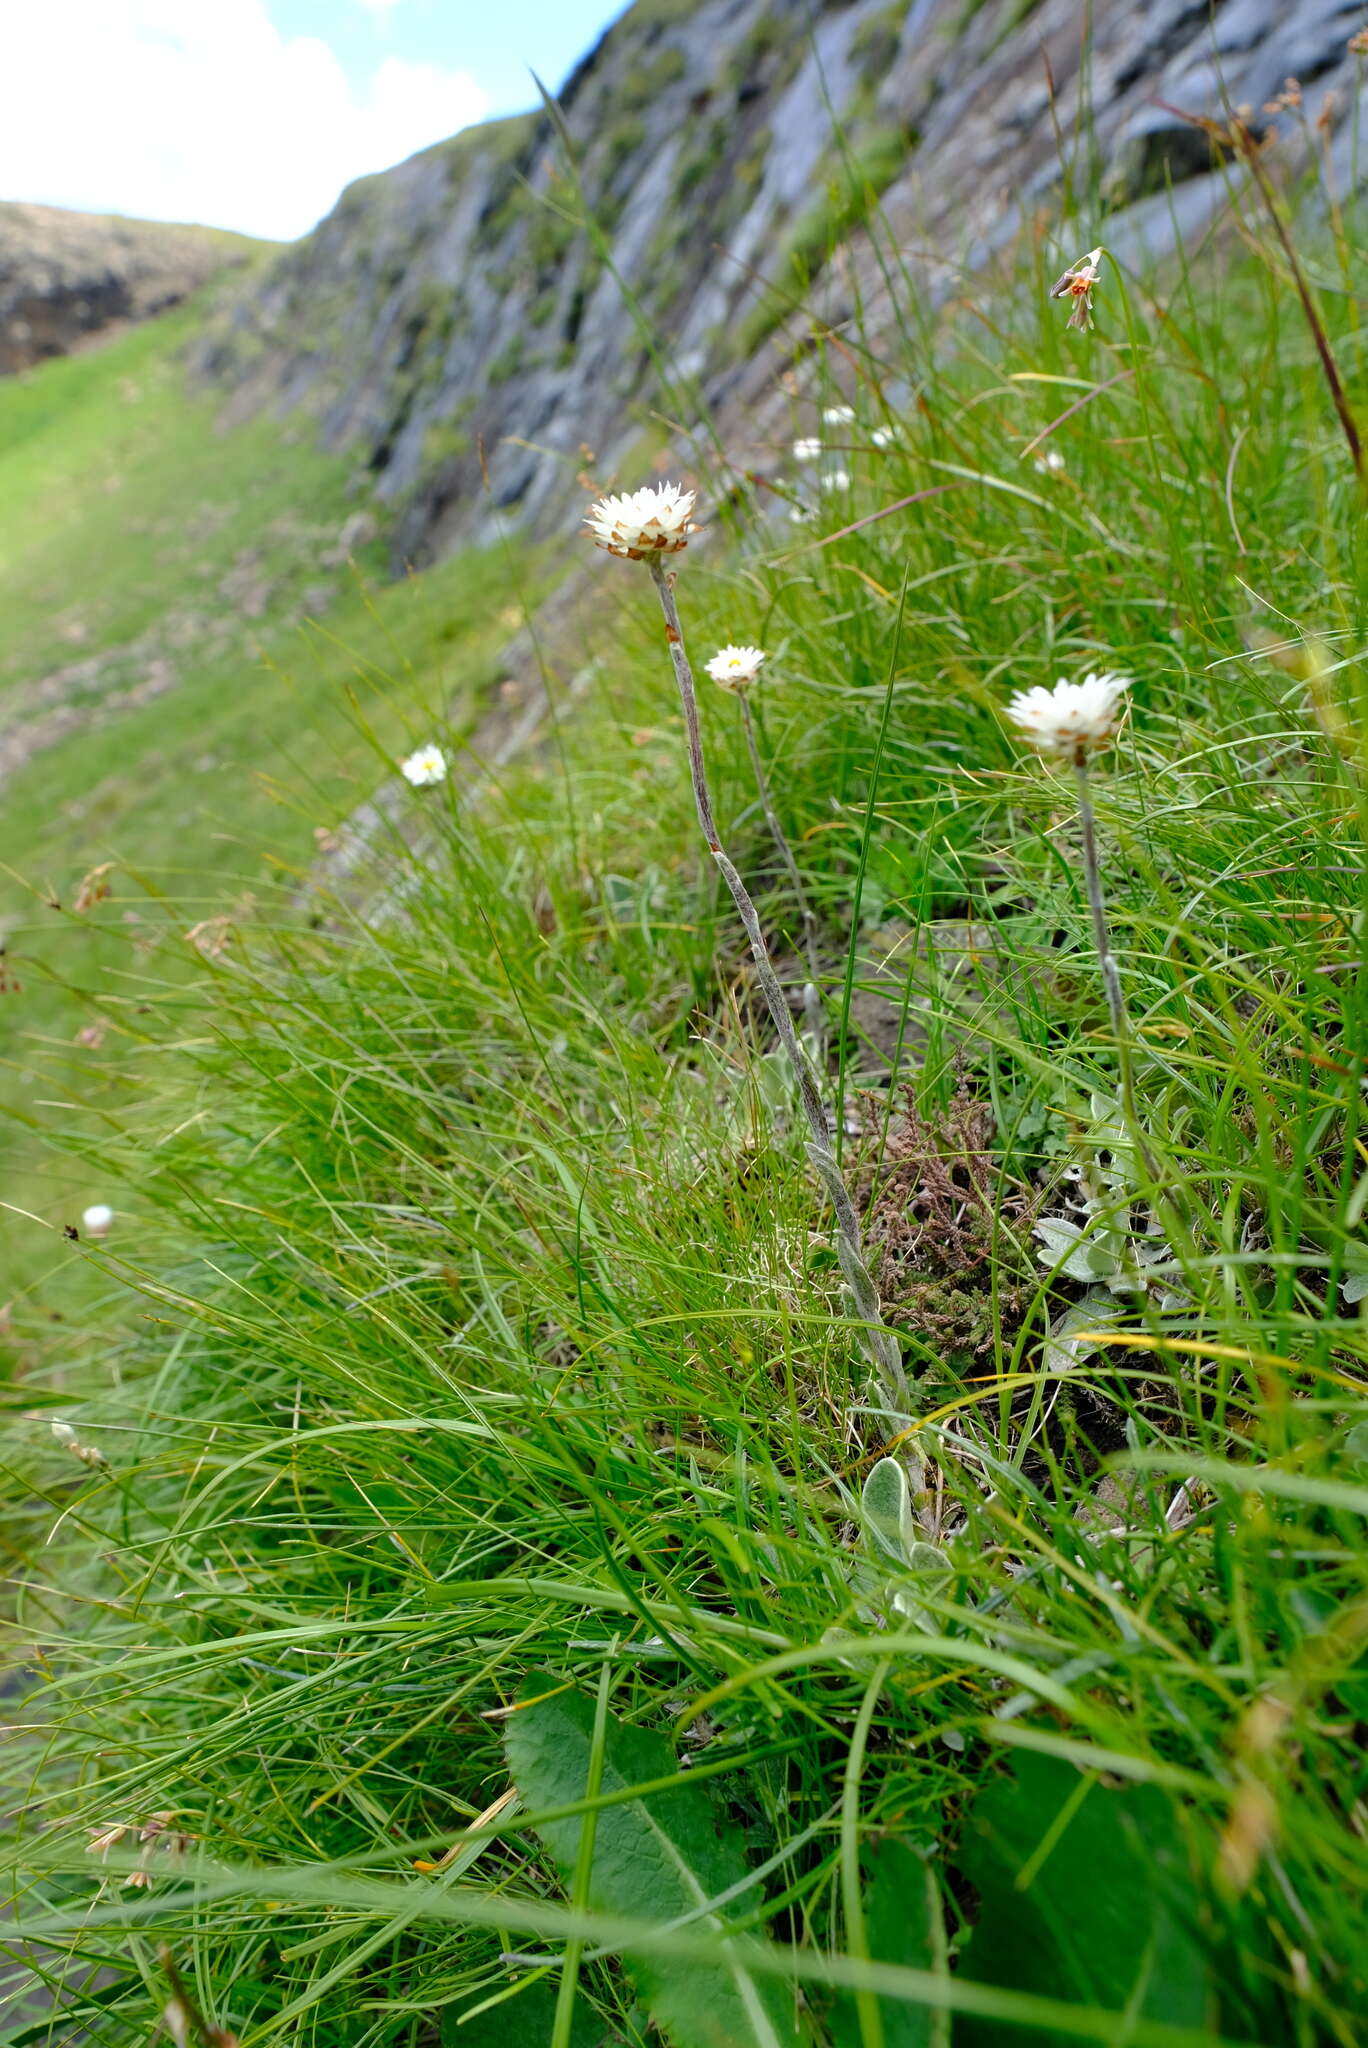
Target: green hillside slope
point(203, 666)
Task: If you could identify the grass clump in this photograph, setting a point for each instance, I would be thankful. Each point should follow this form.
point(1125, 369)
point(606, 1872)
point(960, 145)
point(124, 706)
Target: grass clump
point(499, 1575)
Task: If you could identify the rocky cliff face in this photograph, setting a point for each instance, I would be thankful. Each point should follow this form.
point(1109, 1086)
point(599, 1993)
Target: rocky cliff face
point(64, 276)
point(457, 324)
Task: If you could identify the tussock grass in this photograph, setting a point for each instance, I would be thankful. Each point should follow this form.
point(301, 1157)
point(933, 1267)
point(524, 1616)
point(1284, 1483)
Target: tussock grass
point(491, 1327)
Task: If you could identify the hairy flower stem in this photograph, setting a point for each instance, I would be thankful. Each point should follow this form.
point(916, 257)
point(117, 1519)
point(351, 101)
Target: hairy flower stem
point(1111, 973)
point(812, 1001)
point(880, 1344)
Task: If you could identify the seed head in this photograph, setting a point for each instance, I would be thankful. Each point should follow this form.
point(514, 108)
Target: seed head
point(93, 889)
point(735, 668)
point(653, 520)
point(808, 450)
point(1072, 718)
point(425, 767)
point(838, 415)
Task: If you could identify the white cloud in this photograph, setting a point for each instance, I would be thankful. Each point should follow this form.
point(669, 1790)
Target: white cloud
point(201, 110)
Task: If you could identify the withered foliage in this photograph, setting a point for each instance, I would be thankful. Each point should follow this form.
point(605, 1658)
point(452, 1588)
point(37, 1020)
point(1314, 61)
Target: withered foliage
point(941, 1218)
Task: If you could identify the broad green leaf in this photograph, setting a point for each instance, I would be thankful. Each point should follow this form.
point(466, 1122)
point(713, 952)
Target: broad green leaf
point(658, 1858)
point(1084, 1893)
point(525, 2021)
point(904, 1924)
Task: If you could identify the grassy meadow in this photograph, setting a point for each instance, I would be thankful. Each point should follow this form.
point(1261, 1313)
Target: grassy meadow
point(205, 667)
point(494, 1605)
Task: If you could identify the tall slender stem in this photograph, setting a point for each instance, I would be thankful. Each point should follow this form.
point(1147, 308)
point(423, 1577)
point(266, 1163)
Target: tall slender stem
point(812, 1001)
point(880, 1344)
point(1249, 149)
point(1111, 973)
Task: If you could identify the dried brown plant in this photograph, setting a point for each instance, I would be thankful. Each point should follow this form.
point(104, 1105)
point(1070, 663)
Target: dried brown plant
point(944, 1222)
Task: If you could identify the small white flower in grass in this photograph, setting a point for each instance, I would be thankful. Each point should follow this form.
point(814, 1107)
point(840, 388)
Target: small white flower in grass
point(838, 415)
point(426, 766)
point(1072, 718)
point(808, 450)
point(97, 1220)
point(653, 520)
point(104, 1839)
point(801, 515)
point(884, 437)
point(65, 1435)
point(1079, 284)
point(734, 667)
point(836, 480)
point(1048, 464)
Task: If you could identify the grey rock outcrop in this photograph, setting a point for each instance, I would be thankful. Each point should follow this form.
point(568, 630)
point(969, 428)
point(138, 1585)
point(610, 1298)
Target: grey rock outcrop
point(457, 325)
point(64, 276)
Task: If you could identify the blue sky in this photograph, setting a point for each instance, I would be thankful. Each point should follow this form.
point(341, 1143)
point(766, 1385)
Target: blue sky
point(496, 43)
point(253, 114)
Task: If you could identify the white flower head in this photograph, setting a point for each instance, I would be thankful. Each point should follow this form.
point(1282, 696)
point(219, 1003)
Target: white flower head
point(801, 515)
point(838, 415)
point(65, 1435)
point(735, 667)
point(425, 767)
point(1048, 464)
point(97, 1219)
point(884, 437)
point(653, 520)
point(1078, 284)
point(807, 450)
point(1071, 718)
point(836, 480)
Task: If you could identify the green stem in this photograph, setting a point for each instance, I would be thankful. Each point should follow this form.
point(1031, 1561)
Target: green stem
point(812, 1001)
point(1111, 973)
point(880, 1344)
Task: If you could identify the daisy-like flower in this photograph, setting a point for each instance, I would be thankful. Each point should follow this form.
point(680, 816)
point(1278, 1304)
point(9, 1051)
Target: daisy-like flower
point(97, 1220)
point(808, 450)
point(838, 415)
point(1079, 284)
point(426, 766)
point(733, 668)
point(653, 520)
point(1072, 718)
